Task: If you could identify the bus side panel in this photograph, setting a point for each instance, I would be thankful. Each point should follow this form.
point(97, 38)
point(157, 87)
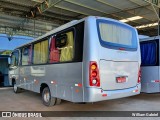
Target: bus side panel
point(64, 80)
point(149, 76)
point(90, 53)
point(150, 71)
point(67, 81)
point(25, 78)
point(14, 74)
point(37, 77)
point(31, 77)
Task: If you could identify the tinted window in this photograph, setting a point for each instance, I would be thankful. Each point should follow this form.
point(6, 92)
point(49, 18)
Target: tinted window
point(79, 39)
point(26, 55)
point(67, 45)
point(149, 53)
point(116, 35)
point(15, 58)
point(62, 47)
point(40, 52)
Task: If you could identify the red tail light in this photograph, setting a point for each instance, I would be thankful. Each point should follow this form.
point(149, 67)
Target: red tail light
point(139, 76)
point(94, 74)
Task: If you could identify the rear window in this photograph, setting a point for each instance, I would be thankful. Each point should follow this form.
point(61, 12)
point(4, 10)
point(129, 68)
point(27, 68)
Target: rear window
point(116, 35)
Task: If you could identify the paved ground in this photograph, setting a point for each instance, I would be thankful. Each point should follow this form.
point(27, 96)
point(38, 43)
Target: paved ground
point(29, 101)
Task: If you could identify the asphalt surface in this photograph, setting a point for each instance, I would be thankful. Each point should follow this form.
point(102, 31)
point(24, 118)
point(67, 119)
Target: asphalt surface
point(30, 101)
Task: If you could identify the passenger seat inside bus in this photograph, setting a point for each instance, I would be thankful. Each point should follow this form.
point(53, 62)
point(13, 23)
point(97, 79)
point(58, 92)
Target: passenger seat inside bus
point(54, 52)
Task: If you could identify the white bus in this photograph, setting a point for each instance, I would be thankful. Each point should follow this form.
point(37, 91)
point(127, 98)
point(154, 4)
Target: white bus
point(150, 64)
point(89, 60)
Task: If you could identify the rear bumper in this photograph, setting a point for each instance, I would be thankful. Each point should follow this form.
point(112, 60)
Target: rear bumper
point(94, 94)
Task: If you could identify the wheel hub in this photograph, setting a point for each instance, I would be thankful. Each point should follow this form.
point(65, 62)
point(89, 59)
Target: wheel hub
point(46, 96)
point(15, 87)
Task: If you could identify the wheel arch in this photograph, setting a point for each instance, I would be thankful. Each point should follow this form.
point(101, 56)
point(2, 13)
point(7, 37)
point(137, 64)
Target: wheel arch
point(42, 86)
point(13, 80)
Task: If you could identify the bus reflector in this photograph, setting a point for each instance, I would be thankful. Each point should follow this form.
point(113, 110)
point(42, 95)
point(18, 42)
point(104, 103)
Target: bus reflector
point(94, 74)
point(104, 95)
point(121, 48)
point(77, 90)
point(156, 81)
point(36, 81)
point(53, 82)
point(139, 76)
point(135, 90)
point(78, 85)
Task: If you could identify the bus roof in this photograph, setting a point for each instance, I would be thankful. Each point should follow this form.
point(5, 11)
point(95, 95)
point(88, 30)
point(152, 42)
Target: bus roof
point(149, 38)
point(69, 24)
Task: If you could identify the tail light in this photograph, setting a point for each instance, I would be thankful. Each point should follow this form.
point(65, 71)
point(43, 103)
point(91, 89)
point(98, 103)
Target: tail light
point(139, 76)
point(94, 74)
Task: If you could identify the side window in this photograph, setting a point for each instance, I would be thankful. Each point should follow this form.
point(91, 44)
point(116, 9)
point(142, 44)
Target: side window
point(26, 55)
point(149, 53)
point(40, 52)
point(15, 58)
point(79, 39)
point(61, 47)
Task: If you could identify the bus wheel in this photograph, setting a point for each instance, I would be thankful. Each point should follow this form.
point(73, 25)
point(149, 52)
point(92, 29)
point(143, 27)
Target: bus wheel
point(15, 88)
point(58, 101)
point(47, 99)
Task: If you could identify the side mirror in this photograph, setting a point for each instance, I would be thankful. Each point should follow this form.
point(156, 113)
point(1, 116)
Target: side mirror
point(9, 60)
point(12, 64)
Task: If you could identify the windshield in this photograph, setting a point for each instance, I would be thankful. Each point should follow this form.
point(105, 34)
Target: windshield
point(14, 58)
point(117, 35)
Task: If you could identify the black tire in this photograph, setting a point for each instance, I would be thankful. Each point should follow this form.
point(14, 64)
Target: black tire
point(15, 88)
point(47, 99)
point(58, 101)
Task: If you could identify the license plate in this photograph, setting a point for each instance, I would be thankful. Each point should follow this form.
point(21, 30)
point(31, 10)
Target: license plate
point(121, 79)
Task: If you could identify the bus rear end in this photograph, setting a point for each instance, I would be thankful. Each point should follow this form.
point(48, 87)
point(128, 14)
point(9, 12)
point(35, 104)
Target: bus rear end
point(113, 62)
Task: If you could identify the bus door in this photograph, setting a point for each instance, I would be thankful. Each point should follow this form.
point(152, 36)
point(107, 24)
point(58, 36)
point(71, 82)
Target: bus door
point(14, 66)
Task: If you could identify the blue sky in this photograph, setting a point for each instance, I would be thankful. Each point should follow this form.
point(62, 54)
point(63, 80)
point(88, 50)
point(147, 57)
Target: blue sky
point(5, 44)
